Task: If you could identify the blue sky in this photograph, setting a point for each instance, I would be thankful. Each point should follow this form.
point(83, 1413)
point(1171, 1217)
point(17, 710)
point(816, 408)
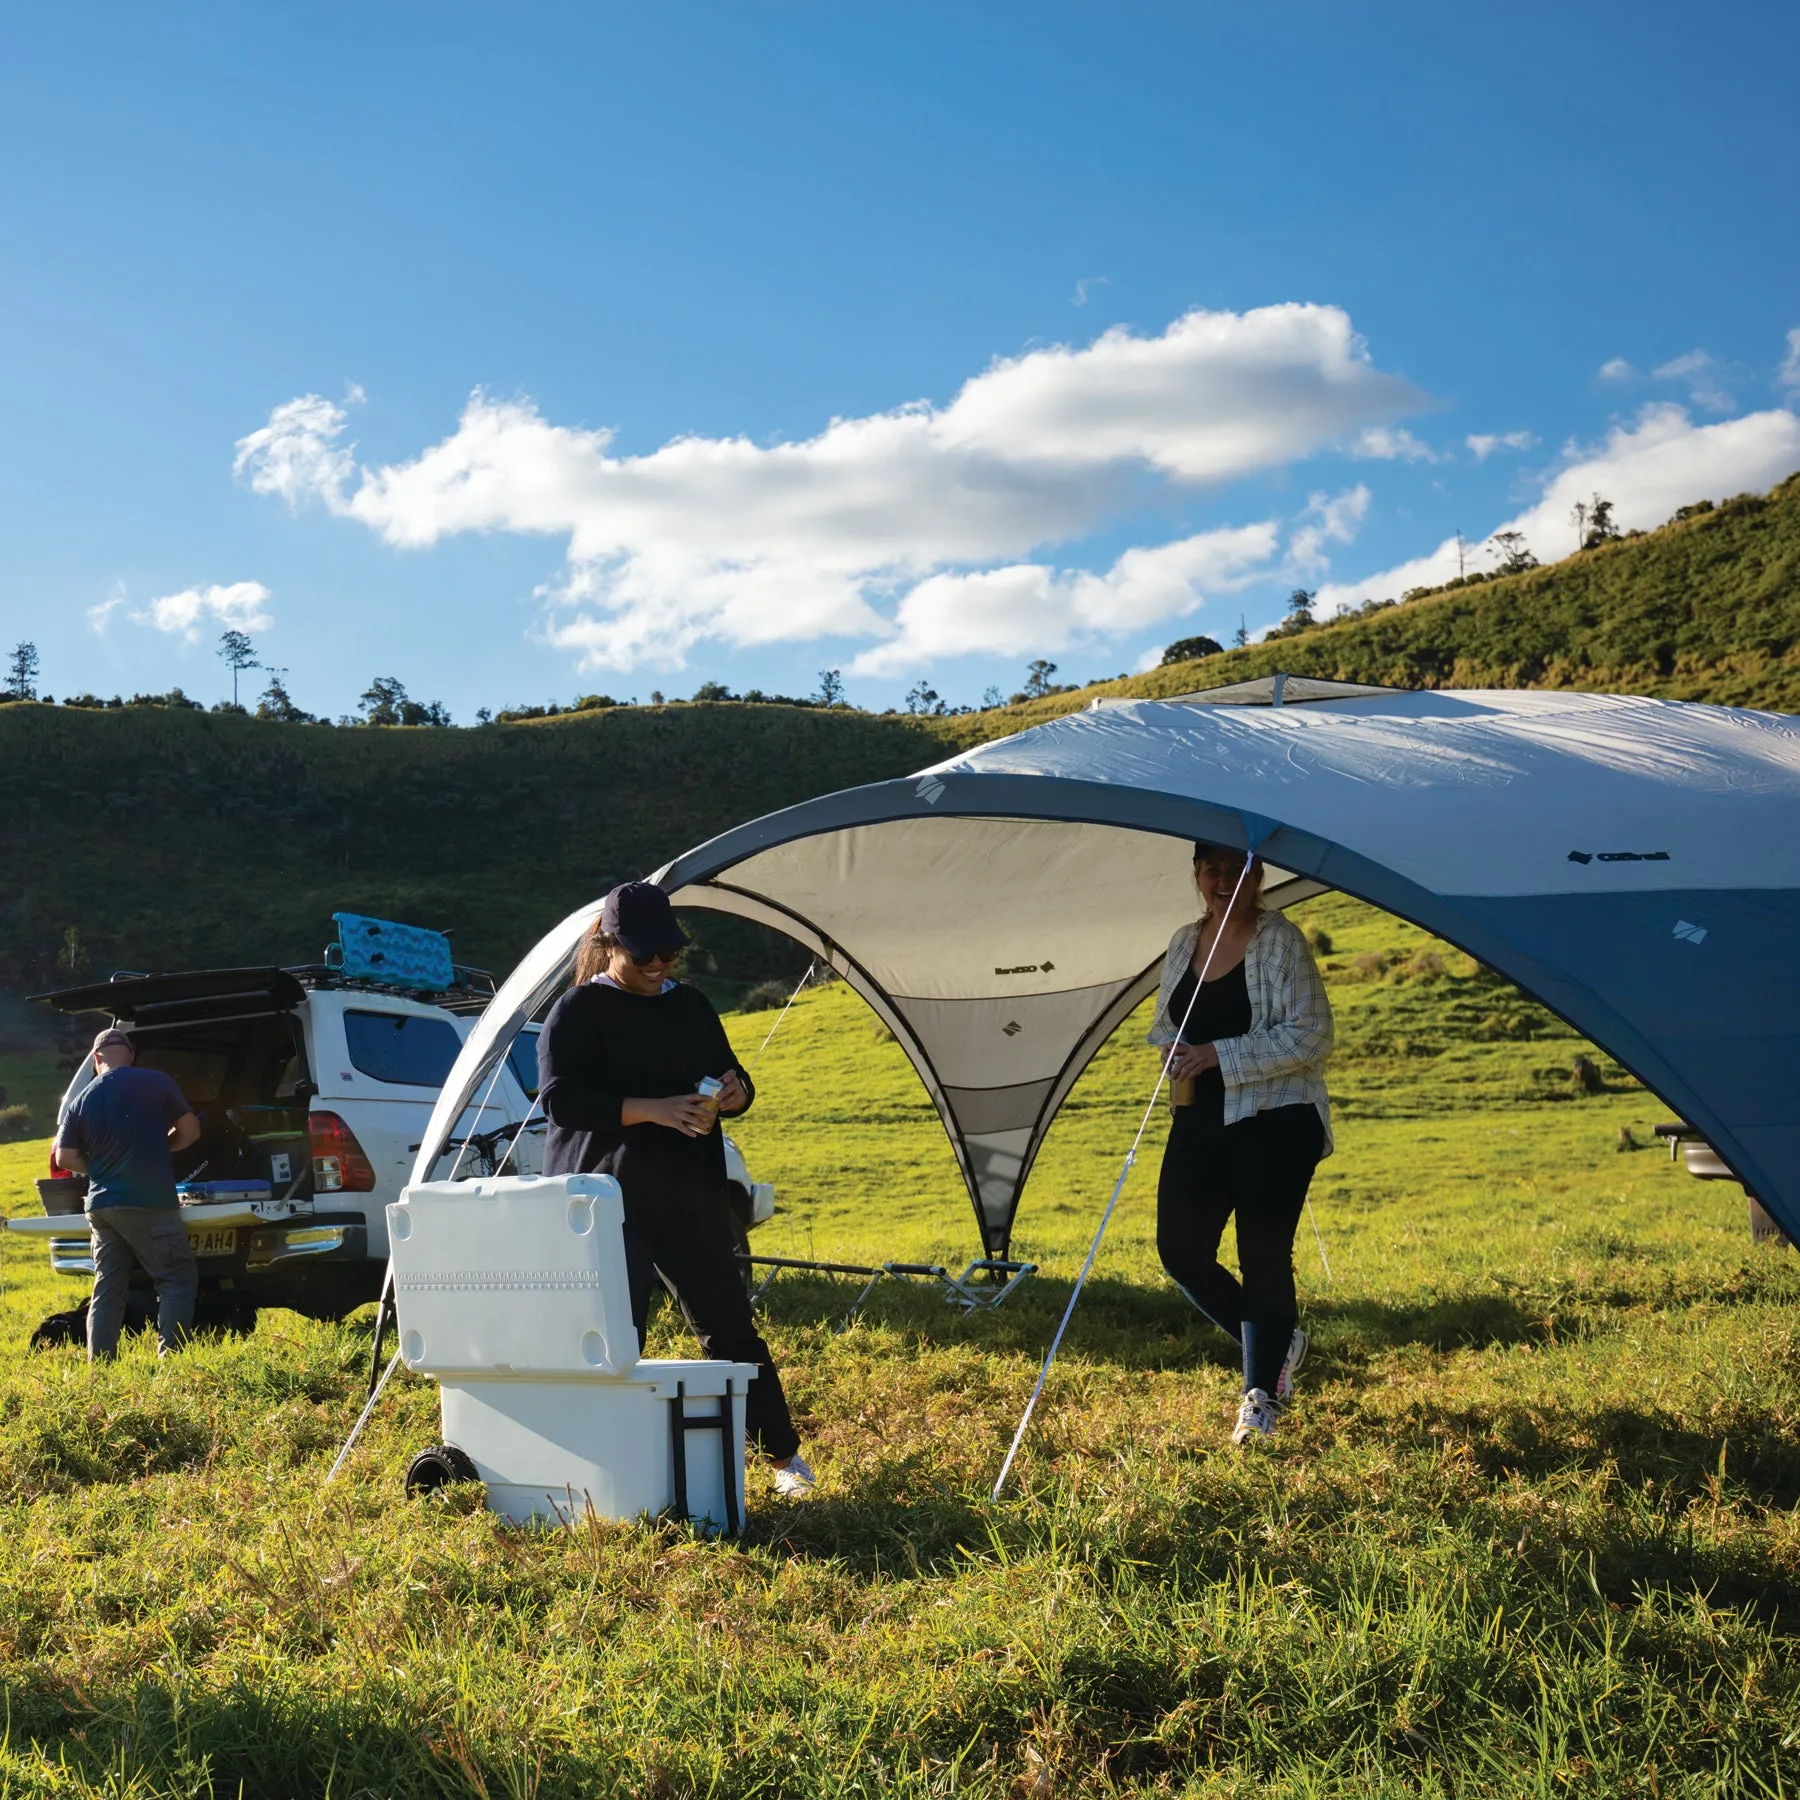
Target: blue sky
point(1372, 276)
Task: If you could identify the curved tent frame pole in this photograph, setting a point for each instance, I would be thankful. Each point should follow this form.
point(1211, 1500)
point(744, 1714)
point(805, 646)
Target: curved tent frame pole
point(1162, 1075)
point(520, 997)
point(1491, 929)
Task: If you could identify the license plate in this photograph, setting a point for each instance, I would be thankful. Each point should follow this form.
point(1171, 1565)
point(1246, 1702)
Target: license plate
point(216, 1241)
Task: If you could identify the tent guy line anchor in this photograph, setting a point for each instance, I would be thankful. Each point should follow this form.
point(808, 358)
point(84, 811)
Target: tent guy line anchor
point(1162, 1075)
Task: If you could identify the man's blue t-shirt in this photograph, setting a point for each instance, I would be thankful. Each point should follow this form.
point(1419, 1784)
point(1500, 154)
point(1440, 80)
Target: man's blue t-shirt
point(120, 1123)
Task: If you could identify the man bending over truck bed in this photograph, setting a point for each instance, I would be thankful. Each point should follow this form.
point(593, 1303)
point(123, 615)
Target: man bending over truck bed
point(121, 1133)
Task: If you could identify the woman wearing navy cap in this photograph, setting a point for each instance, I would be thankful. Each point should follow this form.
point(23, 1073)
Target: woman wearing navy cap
point(619, 1062)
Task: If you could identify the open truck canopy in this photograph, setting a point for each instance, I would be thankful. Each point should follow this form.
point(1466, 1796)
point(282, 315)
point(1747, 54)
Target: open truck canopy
point(1632, 863)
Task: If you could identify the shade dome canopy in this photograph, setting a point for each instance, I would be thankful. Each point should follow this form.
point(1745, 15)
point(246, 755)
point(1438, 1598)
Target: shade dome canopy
point(1632, 863)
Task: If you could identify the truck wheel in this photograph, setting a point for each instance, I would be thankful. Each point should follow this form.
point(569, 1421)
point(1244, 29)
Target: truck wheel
point(62, 1328)
point(435, 1469)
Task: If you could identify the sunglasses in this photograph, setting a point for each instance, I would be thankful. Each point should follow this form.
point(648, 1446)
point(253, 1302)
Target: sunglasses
point(655, 956)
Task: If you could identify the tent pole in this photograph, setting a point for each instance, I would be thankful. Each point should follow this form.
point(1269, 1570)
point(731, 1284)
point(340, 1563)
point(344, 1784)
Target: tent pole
point(795, 995)
point(362, 1419)
point(1319, 1237)
point(1162, 1075)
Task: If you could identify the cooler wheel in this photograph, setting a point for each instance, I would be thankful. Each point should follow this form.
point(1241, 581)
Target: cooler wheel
point(435, 1469)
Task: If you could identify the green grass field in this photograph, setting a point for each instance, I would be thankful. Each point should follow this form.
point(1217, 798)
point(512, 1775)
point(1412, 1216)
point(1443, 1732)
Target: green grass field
point(1529, 1531)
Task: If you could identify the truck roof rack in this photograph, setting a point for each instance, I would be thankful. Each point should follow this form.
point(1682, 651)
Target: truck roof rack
point(473, 988)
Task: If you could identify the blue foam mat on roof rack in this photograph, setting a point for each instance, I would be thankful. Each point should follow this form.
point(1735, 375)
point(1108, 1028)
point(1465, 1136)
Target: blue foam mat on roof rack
point(410, 956)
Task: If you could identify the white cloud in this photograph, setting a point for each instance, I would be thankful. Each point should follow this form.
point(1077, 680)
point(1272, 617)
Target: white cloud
point(996, 611)
point(1081, 295)
point(1484, 444)
point(100, 617)
point(1701, 371)
point(1329, 521)
point(1393, 445)
point(1788, 375)
point(1646, 469)
point(241, 606)
point(1617, 369)
point(710, 538)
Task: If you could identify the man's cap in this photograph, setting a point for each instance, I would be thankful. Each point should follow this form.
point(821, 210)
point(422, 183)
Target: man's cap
point(639, 916)
point(113, 1034)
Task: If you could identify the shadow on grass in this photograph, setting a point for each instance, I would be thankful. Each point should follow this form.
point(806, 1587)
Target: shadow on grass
point(1210, 1527)
point(1134, 1325)
point(154, 1737)
point(1749, 1455)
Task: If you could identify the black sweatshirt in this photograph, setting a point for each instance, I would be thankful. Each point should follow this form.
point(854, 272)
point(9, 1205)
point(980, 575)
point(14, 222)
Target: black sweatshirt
point(602, 1045)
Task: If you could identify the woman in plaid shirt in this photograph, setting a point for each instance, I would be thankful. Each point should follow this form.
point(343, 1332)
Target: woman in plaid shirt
point(1251, 1119)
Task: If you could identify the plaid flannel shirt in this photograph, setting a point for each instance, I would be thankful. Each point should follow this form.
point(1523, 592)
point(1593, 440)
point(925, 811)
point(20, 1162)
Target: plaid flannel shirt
point(1280, 1061)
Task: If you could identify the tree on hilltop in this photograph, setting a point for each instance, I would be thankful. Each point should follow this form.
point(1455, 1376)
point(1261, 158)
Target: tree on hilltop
point(385, 701)
point(1190, 649)
point(237, 653)
point(277, 704)
point(1512, 552)
point(22, 672)
point(1600, 527)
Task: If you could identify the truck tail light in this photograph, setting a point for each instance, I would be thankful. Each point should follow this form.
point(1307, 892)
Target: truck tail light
point(56, 1173)
point(340, 1165)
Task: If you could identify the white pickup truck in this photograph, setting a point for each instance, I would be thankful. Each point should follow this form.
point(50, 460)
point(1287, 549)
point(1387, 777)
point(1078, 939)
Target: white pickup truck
point(312, 1090)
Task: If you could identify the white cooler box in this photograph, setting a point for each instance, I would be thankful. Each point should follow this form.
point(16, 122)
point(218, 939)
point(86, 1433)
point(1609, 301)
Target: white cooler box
point(511, 1292)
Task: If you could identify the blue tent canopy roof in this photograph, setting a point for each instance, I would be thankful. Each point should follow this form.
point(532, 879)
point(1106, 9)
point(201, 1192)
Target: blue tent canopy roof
point(1633, 863)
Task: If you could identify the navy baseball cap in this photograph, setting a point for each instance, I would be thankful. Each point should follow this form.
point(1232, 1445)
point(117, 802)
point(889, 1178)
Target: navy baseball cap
point(638, 915)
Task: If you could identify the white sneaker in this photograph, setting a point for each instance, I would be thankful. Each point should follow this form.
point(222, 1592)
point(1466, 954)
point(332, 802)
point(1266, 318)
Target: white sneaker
point(794, 1480)
point(1256, 1417)
point(1284, 1382)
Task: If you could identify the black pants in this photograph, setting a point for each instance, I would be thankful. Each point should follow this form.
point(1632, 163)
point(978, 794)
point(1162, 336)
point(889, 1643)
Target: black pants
point(690, 1243)
point(1259, 1169)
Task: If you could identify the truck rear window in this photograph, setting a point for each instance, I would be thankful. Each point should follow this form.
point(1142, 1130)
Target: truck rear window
point(401, 1047)
point(522, 1060)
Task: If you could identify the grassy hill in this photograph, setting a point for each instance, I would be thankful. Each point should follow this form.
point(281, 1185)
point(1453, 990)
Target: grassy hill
point(156, 839)
point(1707, 608)
point(1531, 1528)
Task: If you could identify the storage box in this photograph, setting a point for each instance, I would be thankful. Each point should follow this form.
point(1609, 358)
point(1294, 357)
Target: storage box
point(519, 1274)
point(668, 1437)
point(511, 1291)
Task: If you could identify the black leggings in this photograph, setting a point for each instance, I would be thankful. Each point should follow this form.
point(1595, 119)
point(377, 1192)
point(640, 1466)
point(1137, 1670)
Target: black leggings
point(1258, 1168)
point(690, 1243)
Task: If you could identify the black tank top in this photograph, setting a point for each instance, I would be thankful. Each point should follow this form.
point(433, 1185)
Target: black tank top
point(1221, 1011)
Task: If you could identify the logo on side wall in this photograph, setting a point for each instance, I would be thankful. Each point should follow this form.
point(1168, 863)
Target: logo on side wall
point(930, 790)
point(1694, 934)
point(1588, 856)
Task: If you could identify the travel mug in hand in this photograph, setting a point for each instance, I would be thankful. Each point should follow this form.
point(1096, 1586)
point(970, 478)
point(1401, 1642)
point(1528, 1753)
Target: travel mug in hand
point(709, 1088)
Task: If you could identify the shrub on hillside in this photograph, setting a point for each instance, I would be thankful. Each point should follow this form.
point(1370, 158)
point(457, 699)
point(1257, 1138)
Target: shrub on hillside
point(767, 995)
point(1370, 966)
point(15, 1123)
